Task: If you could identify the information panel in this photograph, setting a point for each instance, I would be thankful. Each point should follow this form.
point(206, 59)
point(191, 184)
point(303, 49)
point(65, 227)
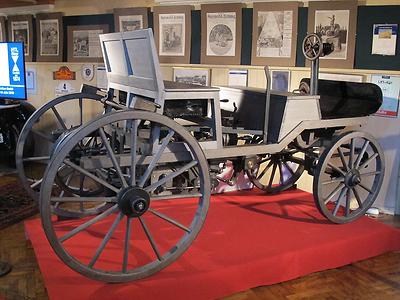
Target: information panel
point(12, 71)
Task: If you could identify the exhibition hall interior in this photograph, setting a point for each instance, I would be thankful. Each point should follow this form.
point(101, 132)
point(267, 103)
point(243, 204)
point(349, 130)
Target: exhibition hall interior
point(199, 149)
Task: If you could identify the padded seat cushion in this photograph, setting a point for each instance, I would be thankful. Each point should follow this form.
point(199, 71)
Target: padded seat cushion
point(341, 99)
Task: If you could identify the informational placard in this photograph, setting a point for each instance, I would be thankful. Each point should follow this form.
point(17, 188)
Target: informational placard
point(12, 76)
point(384, 39)
point(390, 86)
point(237, 78)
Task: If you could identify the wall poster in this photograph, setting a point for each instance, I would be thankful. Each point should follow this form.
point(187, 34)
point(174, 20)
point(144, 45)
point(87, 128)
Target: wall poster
point(20, 29)
point(335, 22)
point(384, 39)
point(390, 86)
point(128, 19)
point(50, 35)
point(221, 33)
point(172, 26)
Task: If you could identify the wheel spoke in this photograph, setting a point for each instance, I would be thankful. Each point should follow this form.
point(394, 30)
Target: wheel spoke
point(288, 168)
point(134, 129)
point(90, 175)
point(150, 238)
point(351, 158)
point(37, 158)
point(361, 154)
point(126, 246)
point(336, 169)
point(348, 198)
point(58, 117)
point(334, 192)
point(83, 226)
point(355, 192)
point(365, 188)
point(168, 219)
point(36, 183)
point(271, 179)
point(336, 180)
point(341, 155)
point(84, 199)
point(261, 175)
point(368, 161)
point(156, 158)
point(280, 172)
point(170, 176)
point(112, 156)
point(106, 239)
point(337, 206)
point(80, 111)
point(370, 174)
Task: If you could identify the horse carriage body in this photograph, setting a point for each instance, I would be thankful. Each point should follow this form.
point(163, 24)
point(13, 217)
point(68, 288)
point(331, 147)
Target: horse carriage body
point(153, 162)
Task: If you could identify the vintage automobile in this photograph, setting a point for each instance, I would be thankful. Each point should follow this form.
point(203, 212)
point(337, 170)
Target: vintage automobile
point(150, 160)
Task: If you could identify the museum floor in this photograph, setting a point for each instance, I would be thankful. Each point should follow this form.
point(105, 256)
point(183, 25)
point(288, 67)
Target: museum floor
point(376, 278)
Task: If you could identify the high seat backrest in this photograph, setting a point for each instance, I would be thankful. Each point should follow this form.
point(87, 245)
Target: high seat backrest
point(132, 63)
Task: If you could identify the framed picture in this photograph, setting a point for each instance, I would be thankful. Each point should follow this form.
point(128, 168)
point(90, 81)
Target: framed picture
point(3, 36)
point(128, 19)
point(280, 80)
point(193, 76)
point(221, 33)
point(172, 33)
point(20, 29)
point(274, 33)
point(335, 22)
point(84, 43)
point(50, 36)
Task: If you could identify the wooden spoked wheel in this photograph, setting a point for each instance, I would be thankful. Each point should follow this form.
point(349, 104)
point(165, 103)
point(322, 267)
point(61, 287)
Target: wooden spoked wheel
point(312, 46)
point(348, 177)
point(46, 127)
point(144, 230)
point(274, 173)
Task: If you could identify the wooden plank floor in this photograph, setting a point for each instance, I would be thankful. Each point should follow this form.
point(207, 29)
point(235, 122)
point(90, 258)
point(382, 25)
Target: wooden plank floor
point(376, 278)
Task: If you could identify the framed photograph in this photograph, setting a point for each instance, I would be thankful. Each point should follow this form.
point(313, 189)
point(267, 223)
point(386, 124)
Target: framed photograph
point(20, 29)
point(84, 43)
point(3, 36)
point(128, 19)
point(50, 35)
point(280, 80)
point(335, 22)
point(172, 33)
point(193, 76)
point(274, 33)
point(221, 33)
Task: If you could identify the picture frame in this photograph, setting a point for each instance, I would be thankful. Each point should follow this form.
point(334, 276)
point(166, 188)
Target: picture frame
point(200, 76)
point(221, 33)
point(274, 47)
point(131, 18)
point(3, 31)
point(336, 22)
point(280, 80)
point(50, 37)
point(20, 29)
point(172, 33)
point(84, 44)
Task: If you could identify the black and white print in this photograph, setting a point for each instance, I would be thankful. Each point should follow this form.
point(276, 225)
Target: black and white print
point(130, 23)
point(221, 34)
point(332, 26)
point(274, 33)
point(172, 34)
point(87, 43)
point(191, 76)
point(20, 33)
point(49, 43)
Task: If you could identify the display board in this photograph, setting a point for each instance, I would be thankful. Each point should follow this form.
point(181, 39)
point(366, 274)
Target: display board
point(12, 71)
point(367, 17)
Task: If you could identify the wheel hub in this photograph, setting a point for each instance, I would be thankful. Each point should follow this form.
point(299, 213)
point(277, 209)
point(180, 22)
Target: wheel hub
point(133, 201)
point(353, 178)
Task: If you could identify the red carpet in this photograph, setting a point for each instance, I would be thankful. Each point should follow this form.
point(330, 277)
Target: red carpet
point(248, 240)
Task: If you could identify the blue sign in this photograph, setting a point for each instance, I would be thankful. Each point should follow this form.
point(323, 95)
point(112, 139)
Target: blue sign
point(12, 71)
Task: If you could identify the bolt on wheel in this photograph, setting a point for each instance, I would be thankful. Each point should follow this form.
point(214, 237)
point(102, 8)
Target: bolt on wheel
point(348, 177)
point(144, 230)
